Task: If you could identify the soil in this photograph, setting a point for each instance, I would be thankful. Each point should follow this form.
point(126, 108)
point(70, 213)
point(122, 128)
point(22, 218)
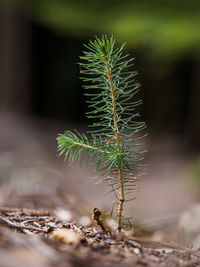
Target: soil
point(39, 238)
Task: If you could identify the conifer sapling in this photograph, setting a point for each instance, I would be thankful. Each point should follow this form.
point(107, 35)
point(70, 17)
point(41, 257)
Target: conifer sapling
point(113, 144)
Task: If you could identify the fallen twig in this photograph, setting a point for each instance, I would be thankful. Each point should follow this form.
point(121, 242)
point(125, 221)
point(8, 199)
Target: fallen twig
point(31, 212)
point(5, 222)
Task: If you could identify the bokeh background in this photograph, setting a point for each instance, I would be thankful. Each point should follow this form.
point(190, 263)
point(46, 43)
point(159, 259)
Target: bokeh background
point(41, 95)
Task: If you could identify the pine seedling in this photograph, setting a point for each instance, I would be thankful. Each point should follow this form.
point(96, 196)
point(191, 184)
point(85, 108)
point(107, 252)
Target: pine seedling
point(110, 89)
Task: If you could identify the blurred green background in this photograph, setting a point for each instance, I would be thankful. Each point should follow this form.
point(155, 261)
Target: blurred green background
point(41, 42)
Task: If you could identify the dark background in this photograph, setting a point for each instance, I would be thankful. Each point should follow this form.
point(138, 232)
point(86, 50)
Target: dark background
point(41, 42)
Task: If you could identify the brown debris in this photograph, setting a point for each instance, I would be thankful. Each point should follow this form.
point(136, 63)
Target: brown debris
point(6, 222)
point(51, 242)
point(31, 212)
point(96, 216)
point(66, 236)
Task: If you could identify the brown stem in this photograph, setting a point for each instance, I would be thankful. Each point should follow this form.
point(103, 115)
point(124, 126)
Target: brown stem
point(118, 138)
point(121, 200)
point(96, 216)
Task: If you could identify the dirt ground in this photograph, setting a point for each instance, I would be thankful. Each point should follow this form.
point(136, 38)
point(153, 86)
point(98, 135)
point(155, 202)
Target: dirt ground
point(37, 238)
point(46, 205)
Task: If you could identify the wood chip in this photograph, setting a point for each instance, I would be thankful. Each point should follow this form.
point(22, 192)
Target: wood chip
point(67, 236)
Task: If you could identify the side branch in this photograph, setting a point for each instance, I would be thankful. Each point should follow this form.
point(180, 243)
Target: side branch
point(89, 147)
point(72, 145)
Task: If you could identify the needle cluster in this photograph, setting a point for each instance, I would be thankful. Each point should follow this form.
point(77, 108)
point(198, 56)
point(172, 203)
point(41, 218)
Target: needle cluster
point(110, 90)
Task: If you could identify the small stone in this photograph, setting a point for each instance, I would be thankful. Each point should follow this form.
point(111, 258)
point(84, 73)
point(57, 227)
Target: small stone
point(168, 250)
point(136, 251)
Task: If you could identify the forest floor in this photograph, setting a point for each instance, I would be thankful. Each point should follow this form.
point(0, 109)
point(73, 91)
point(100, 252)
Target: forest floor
point(37, 238)
point(45, 207)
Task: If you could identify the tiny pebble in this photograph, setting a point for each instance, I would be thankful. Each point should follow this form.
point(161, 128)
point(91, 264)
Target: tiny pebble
point(136, 250)
point(168, 250)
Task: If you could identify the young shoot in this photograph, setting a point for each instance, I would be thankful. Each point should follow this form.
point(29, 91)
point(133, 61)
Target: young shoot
point(110, 89)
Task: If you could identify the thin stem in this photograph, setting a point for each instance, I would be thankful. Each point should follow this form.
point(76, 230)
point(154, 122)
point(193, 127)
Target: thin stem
point(121, 199)
point(118, 140)
point(89, 147)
